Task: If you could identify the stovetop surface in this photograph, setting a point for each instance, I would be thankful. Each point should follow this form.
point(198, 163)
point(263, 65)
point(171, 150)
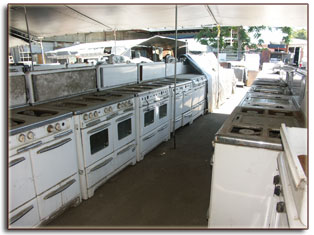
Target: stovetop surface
point(138, 88)
point(257, 127)
point(26, 118)
point(88, 102)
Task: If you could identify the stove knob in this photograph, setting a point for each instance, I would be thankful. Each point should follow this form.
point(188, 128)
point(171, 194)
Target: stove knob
point(277, 190)
point(119, 106)
point(30, 135)
point(110, 109)
point(96, 114)
point(58, 127)
point(106, 110)
point(276, 179)
point(50, 128)
point(90, 115)
point(281, 207)
point(85, 116)
point(21, 138)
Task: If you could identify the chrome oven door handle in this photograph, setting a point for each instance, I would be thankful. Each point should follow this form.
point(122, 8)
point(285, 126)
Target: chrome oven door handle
point(63, 134)
point(29, 147)
point(121, 119)
point(20, 214)
point(126, 149)
point(54, 146)
point(101, 165)
point(59, 190)
point(99, 128)
point(149, 137)
point(16, 161)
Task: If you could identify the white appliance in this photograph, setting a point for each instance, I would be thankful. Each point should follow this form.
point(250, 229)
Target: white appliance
point(105, 128)
point(152, 115)
point(244, 167)
point(292, 208)
point(198, 96)
point(43, 171)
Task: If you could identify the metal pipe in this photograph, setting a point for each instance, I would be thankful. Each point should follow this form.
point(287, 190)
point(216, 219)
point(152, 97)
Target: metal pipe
point(218, 36)
point(29, 38)
point(175, 77)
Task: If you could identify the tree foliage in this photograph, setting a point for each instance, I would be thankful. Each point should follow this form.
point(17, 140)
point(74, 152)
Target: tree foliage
point(300, 34)
point(208, 36)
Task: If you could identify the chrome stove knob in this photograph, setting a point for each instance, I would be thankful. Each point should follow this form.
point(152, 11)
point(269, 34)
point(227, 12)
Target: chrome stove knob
point(90, 115)
point(95, 114)
point(110, 109)
point(30, 135)
point(85, 116)
point(21, 138)
point(58, 127)
point(50, 128)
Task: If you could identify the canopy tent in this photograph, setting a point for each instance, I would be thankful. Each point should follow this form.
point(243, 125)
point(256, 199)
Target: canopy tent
point(53, 20)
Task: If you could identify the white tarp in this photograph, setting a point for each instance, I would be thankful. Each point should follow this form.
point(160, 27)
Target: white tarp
point(51, 20)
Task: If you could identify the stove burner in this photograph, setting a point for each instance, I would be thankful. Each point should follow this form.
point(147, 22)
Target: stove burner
point(90, 99)
point(246, 131)
point(70, 105)
point(38, 113)
point(106, 95)
point(279, 113)
point(252, 111)
point(15, 122)
point(274, 134)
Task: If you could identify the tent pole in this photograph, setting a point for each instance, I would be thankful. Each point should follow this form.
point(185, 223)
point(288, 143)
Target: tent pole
point(218, 35)
point(29, 38)
point(175, 77)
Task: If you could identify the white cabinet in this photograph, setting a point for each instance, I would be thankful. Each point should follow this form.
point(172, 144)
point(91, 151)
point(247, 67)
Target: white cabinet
point(21, 183)
point(26, 216)
point(56, 197)
point(53, 162)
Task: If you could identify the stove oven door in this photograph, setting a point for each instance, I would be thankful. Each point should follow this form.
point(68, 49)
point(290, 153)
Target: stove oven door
point(179, 104)
point(125, 129)
point(163, 111)
point(148, 119)
point(187, 101)
point(97, 141)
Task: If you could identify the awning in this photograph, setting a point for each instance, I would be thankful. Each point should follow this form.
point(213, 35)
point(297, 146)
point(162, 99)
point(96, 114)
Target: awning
point(53, 20)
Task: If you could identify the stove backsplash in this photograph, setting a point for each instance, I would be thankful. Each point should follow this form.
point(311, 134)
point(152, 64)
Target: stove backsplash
point(51, 85)
point(17, 90)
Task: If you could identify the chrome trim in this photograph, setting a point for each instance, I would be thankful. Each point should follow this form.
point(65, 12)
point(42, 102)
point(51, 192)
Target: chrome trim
point(93, 123)
point(54, 146)
point(121, 119)
point(99, 128)
point(16, 161)
point(148, 137)
point(126, 149)
point(249, 143)
point(112, 116)
point(59, 190)
point(29, 147)
point(20, 214)
point(63, 134)
point(164, 127)
point(104, 163)
point(128, 110)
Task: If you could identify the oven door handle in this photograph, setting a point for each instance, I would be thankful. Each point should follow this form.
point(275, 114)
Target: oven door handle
point(63, 134)
point(164, 127)
point(21, 214)
point(54, 146)
point(101, 165)
point(128, 110)
point(188, 114)
point(99, 128)
point(29, 147)
point(149, 109)
point(126, 149)
point(59, 190)
point(111, 116)
point(16, 161)
point(121, 119)
point(149, 137)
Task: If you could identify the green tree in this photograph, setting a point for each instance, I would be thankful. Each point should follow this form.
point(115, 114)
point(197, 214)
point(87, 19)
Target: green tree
point(287, 30)
point(300, 34)
point(208, 36)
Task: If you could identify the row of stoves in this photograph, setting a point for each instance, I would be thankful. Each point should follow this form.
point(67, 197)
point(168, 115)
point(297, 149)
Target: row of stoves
point(246, 190)
point(61, 151)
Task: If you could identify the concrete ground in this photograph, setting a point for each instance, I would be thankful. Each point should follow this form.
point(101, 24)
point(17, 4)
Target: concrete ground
point(170, 188)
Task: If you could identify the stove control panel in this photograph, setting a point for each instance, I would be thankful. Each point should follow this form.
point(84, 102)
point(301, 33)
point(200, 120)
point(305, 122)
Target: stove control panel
point(154, 96)
point(37, 133)
point(105, 113)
